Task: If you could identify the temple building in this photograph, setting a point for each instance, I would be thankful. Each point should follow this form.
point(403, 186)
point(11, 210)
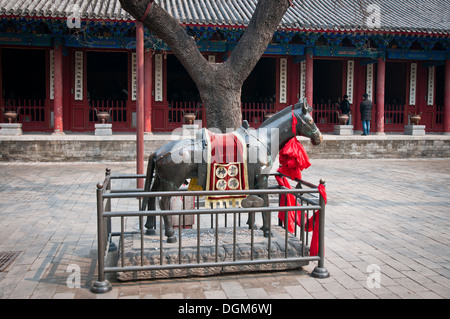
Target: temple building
point(63, 61)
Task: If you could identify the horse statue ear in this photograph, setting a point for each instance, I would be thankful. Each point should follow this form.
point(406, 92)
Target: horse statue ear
point(305, 106)
point(301, 103)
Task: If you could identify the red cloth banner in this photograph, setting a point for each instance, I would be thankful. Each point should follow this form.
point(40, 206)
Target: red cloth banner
point(313, 222)
point(293, 159)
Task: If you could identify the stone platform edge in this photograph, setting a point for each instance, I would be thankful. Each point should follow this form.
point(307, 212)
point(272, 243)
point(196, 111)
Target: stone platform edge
point(151, 254)
point(122, 147)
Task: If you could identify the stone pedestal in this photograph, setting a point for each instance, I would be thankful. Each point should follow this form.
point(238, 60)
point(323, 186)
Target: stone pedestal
point(131, 251)
point(103, 129)
point(414, 129)
point(176, 203)
point(14, 129)
point(189, 130)
point(343, 130)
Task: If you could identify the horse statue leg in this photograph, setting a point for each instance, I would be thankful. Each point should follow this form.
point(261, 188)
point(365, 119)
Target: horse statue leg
point(150, 223)
point(165, 205)
point(263, 184)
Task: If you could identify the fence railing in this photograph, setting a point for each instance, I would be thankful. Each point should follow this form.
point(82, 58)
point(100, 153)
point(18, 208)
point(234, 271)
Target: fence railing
point(439, 115)
point(325, 114)
point(254, 113)
point(308, 200)
point(394, 117)
point(116, 108)
point(29, 110)
point(177, 110)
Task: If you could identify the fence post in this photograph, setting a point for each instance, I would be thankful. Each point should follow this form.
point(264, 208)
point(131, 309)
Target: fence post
point(320, 271)
point(112, 245)
point(101, 285)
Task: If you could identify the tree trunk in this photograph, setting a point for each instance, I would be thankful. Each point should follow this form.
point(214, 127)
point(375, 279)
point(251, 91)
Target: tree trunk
point(221, 95)
point(219, 84)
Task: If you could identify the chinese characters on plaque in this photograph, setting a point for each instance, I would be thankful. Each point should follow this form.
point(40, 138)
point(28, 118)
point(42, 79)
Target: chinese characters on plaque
point(302, 79)
point(412, 84)
point(52, 75)
point(430, 94)
point(133, 76)
point(350, 72)
point(78, 75)
point(369, 81)
point(283, 80)
point(158, 77)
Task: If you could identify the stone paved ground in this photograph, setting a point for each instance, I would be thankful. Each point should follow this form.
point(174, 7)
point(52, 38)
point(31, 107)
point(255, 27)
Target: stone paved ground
point(386, 235)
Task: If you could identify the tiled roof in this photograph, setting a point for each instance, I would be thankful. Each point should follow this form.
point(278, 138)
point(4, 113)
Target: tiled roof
point(427, 16)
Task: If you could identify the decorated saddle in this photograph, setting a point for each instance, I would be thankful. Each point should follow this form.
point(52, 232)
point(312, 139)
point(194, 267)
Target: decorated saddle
point(226, 167)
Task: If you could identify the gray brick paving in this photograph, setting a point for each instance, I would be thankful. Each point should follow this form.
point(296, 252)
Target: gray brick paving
point(391, 214)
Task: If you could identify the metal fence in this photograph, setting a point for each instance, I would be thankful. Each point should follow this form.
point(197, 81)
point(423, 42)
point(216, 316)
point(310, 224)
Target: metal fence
point(253, 112)
point(308, 200)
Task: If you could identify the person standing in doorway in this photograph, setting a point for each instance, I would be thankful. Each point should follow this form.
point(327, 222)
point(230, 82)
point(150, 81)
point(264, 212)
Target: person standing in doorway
point(366, 113)
point(345, 107)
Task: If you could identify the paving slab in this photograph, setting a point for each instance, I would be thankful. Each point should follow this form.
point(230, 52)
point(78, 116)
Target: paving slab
point(386, 235)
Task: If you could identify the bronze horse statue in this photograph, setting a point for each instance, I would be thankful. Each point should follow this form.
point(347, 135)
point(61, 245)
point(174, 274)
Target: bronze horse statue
point(178, 161)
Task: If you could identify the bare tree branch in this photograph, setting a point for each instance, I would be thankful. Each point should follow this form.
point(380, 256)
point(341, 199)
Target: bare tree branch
point(219, 84)
point(169, 29)
point(257, 36)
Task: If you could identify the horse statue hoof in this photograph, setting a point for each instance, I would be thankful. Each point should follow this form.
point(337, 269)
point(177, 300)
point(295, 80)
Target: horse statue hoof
point(171, 239)
point(267, 233)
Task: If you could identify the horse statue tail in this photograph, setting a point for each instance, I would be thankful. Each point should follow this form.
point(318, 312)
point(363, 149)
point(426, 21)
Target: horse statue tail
point(148, 203)
point(148, 179)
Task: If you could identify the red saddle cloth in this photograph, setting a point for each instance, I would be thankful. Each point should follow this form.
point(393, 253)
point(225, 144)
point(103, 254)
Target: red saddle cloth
point(227, 167)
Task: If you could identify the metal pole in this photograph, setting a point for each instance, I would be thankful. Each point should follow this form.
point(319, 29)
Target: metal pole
point(320, 271)
point(101, 285)
point(140, 102)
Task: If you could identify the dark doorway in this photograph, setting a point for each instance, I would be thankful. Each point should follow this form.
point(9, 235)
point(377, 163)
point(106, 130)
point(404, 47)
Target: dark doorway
point(260, 86)
point(395, 96)
point(107, 84)
point(327, 81)
point(440, 85)
point(107, 75)
point(23, 74)
point(182, 92)
point(259, 92)
point(180, 86)
point(395, 91)
point(24, 85)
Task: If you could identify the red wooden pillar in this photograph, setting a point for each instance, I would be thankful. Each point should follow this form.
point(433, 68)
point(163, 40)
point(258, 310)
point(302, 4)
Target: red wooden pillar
point(148, 60)
point(359, 90)
point(447, 99)
point(309, 76)
point(140, 102)
point(381, 73)
point(58, 89)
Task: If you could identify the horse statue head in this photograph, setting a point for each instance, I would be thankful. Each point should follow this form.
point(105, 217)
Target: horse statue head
point(305, 123)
